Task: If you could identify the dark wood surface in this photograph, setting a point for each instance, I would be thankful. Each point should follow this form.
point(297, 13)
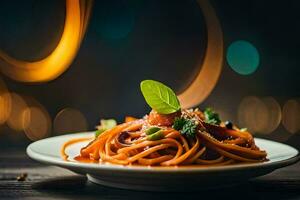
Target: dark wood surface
point(48, 182)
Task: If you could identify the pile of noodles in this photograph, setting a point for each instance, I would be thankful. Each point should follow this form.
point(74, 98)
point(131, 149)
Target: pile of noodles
point(128, 144)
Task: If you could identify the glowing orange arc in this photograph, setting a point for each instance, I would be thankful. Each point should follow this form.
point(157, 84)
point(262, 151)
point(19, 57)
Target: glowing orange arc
point(209, 74)
point(50, 67)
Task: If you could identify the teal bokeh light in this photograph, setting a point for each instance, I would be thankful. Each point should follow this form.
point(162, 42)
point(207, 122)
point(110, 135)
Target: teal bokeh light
point(242, 57)
point(115, 20)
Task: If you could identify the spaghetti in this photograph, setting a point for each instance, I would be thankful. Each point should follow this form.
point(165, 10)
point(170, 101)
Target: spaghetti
point(155, 141)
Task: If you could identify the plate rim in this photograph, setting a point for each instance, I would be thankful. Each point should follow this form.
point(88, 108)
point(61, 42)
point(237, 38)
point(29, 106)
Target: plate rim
point(40, 157)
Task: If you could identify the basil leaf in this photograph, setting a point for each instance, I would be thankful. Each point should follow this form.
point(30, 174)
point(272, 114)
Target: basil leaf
point(160, 97)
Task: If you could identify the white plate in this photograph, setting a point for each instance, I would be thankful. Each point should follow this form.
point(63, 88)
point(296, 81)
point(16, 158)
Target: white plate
point(161, 178)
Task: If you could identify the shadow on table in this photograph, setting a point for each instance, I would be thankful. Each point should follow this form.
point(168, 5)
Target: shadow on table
point(77, 187)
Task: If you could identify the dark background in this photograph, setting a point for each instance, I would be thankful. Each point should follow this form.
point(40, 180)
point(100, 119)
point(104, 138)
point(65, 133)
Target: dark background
point(129, 41)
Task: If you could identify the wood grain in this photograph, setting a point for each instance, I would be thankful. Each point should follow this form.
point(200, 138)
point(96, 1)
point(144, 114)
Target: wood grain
point(47, 182)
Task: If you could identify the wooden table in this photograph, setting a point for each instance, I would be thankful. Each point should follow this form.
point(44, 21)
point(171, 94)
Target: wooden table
point(48, 182)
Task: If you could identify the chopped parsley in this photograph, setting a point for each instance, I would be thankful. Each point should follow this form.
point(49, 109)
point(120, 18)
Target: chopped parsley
point(185, 126)
point(189, 128)
point(179, 123)
point(211, 117)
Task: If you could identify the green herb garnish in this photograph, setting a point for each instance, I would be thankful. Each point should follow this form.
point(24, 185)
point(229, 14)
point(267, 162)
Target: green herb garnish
point(156, 136)
point(179, 123)
point(99, 131)
point(189, 129)
point(211, 117)
point(185, 126)
point(160, 97)
point(105, 124)
point(243, 129)
point(152, 130)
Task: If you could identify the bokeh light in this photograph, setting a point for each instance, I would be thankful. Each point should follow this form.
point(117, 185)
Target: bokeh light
point(5, 107)
point(252, 113)
point(115, 20)
point(5, 102)
point(24, 113)
point(36, 122)
point(274, 114)
point(259, 115)
point(242, 57)
point(69, 120)
point(16, 117)
point(291, 116)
